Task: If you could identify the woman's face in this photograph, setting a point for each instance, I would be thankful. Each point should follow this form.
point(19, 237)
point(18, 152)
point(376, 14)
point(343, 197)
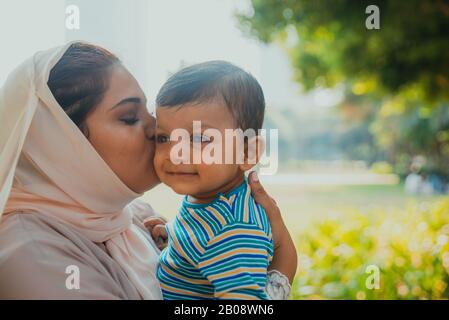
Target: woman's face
point(121, 130)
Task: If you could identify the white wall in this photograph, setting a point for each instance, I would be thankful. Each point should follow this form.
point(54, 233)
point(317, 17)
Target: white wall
point(26, 27)
point(152, 37)
point(121, 26)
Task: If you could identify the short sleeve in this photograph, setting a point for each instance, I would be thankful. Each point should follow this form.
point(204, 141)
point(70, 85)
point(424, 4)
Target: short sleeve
point(236, 261)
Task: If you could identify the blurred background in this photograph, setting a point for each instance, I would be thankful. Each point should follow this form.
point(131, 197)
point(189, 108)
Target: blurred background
point(362, 115)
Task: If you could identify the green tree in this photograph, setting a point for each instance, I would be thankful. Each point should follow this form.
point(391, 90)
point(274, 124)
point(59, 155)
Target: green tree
point(409, 50)
point(399, 73)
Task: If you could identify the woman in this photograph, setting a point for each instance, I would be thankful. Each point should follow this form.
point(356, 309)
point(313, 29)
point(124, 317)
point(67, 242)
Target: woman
point(76, 151)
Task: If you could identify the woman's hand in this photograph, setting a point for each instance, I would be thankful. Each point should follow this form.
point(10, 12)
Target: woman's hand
point(285, 258)
point(156, 227)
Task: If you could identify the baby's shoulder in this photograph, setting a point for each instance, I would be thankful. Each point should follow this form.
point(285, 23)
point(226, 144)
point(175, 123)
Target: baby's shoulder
point(245, 210)
point(236, 209)
point(218, 214)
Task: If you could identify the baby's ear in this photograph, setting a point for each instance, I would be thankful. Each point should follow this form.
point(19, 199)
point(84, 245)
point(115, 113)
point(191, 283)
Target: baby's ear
point(254, 149)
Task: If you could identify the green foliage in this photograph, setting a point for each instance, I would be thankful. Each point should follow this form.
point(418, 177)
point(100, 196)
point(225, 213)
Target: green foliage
point(410, 247)
point(396, 79)
point(333, 44)
point(414, 131)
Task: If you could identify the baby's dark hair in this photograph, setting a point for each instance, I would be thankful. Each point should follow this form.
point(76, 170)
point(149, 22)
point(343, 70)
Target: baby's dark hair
point(202, 82)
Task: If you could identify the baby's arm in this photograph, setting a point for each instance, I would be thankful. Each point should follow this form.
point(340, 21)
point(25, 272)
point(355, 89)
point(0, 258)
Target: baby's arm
point(236, 262)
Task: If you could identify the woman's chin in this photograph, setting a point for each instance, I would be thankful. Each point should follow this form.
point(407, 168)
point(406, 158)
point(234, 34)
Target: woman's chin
point(150, 181)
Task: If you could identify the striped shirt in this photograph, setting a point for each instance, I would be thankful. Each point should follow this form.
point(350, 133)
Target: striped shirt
point(218, 250)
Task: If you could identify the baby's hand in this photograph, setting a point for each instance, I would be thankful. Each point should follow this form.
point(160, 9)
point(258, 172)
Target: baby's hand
point(155, 226)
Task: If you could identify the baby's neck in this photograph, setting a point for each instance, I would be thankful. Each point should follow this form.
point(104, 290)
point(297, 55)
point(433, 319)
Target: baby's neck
point(225, 188)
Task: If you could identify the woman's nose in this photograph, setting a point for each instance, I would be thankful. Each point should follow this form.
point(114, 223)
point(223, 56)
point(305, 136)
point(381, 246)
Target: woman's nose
point(150, 125)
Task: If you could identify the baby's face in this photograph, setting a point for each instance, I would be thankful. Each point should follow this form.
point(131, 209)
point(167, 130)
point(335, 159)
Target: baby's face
point(177, 169)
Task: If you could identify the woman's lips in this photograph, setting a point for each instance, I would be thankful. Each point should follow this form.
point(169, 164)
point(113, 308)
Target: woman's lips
point(182, 174)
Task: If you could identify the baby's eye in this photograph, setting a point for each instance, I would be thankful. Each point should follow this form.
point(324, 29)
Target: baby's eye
point(162, 138)
point(200, 138)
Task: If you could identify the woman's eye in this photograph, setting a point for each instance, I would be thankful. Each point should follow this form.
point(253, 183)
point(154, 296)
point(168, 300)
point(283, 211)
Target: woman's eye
point(162, 138)
point(129, 121)
point(200, 138)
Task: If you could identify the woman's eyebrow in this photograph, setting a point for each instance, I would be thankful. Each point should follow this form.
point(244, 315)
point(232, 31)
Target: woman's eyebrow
point(135, 100)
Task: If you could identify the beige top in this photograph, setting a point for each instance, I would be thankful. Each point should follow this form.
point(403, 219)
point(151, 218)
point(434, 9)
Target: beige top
point(36, 250)
point(48, 166)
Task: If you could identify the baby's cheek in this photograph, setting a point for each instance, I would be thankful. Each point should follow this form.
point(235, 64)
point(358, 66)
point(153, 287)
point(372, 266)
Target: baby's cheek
point(157, 161)
point(215, 175)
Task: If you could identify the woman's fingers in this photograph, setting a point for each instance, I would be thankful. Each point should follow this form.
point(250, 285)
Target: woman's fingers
point(285, 256)
point(156, 227)
point(152, 221)
point(278, 228)
point(159, 231)
point(159, 234)
point(262, 197)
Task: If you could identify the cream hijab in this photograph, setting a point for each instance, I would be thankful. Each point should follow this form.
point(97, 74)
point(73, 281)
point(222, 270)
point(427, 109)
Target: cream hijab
point(48, 166)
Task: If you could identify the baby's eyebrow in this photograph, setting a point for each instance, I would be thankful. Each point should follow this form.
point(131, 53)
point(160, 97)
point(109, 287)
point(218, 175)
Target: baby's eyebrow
point(189, 128)
point(205, 125)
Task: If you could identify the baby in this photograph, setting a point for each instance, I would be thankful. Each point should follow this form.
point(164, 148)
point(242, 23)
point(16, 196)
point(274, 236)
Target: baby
point(220, 243)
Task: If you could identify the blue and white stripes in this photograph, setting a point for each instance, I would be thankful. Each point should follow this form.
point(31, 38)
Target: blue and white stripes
point(219, 250)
